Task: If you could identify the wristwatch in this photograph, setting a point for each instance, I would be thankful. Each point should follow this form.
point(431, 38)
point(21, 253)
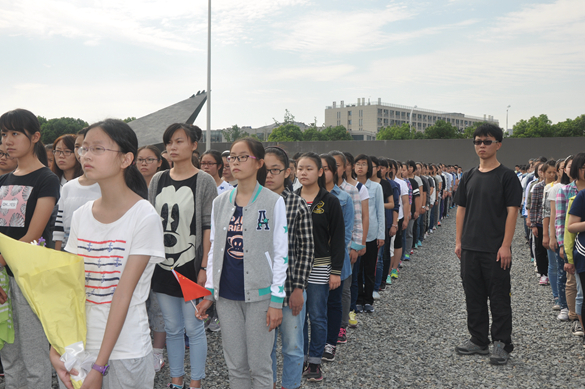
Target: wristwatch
point(102, 369)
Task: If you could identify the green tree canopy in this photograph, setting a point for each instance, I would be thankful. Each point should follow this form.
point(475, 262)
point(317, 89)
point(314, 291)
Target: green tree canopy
point(129, 119)
point(234, 133)
point(286, 133)
point(54, 128)
point(313, 134)
point(441, 130)
point(336, 133)
point(395, 133)
point(535, 127)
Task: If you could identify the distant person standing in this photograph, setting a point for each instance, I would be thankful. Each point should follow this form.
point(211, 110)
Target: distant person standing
point(489, 198)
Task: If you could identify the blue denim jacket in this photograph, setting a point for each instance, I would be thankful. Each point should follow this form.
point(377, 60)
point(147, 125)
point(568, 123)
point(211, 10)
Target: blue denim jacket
point(348, 214)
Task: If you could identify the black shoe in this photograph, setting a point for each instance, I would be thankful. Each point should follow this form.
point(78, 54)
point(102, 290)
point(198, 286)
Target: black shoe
point(359, 308)
point(313, 373)
point(368, 308)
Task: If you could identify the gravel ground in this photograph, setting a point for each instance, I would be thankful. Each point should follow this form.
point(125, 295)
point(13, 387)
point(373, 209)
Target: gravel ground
point(409, 341)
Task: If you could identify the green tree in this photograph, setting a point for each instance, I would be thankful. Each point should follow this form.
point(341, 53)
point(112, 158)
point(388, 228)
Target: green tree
point(129, 119)
point(535, 127)
point(336, 133)
point(288, 118)
point(570, 127)
point(395, 132)
point(441, 130)
point(313, 134)
point(54, 128)
point(468, 132)
point(42, 120)
point(286, 133)
point(234, 133)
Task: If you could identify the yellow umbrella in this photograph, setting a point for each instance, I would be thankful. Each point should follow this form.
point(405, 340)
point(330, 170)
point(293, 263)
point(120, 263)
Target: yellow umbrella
point(53, 283)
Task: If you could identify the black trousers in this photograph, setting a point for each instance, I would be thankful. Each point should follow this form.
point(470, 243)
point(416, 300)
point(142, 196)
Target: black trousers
point(540, 254)
point(367, 273)
point(483, 278)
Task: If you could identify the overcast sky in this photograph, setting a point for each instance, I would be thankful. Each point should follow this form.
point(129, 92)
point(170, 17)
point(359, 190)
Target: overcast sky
point(110, 58)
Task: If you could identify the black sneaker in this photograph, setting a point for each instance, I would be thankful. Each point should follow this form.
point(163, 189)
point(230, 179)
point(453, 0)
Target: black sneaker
point(368, 308)
point(342, 337)
point(314, 373)
point(359, 308)
point(329, 353)
point(576, 328)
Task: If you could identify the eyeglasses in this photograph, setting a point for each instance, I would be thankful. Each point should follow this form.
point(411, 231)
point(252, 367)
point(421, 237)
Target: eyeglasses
point(66, 153)
point(97, 150)
point(361, 164)
point(485, 142)
point(5, 155)
point(208, 163)
point(147, 160)
point(275, 172)
point(239, 158)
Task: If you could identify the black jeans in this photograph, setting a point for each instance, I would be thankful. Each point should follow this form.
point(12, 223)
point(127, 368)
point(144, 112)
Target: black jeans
point(367, 273)
point(484, 278)
point(540, 254)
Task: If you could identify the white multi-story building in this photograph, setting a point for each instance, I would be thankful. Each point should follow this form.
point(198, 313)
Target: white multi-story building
point(364, 120)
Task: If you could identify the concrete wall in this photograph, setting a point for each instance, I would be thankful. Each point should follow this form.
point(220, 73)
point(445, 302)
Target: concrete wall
point(449, 151)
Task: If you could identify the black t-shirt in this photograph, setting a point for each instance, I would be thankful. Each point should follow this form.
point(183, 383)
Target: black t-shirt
point(426, 188)
point(175, 203)
point(387, 193)
point(231, 283)
point(18, 200)
point(415, 194)
point(485, 197)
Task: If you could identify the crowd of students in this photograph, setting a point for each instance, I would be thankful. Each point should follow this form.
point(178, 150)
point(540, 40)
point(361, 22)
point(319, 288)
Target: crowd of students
point(553, 212)
point(297, 247)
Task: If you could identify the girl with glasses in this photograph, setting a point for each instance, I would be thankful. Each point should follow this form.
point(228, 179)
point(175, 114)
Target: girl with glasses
point(123, 227)
point(247, 266)
point(212, 163)
point(7, 163)
point(65, 164)
point(150, 161)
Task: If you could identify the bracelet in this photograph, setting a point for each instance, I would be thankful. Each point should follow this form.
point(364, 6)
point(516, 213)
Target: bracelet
point(202, 268)
point(394, 225)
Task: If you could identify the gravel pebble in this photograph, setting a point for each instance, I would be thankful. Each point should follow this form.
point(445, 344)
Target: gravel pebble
point(409, 341)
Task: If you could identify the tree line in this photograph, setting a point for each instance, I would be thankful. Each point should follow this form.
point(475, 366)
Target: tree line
point(51, 129)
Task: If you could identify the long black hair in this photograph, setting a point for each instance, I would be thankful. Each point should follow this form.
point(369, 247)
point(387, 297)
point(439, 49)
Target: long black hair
point(377, 162)
point(315, 158)
point(337, 153)
point(218, 160)
point(257, 150)
point(368, 161)
point(565, 179)
point(25, 122)
point(125, 137)
point(578, 163)
point(350, 161)
point(332, 165)
point(282, 156)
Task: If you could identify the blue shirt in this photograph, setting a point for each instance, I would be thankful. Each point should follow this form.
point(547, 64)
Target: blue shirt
point(348, 216)
point(231, 284)
point(376, 208)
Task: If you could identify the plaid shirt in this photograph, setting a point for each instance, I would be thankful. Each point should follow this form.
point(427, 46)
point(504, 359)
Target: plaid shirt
point(301, 248)
point(358, 228)
point(536, 204)
point(563, 196)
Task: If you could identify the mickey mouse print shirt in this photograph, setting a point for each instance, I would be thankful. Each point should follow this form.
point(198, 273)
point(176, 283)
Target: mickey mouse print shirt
point(175, 203)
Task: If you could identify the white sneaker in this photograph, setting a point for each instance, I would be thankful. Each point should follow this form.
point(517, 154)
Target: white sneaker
point(376, 295)
point(543, 280)
point(564, 315)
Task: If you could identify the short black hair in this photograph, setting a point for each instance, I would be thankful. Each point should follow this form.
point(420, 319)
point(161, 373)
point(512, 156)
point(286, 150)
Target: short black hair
point(368, 161)
point(578, 163)
point(488, 129)
point(193, 132)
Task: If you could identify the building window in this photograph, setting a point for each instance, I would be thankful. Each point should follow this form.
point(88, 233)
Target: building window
point(385, 122)
point(379, 121)
point(361, 113)
point(349, 122)
point(361, 122)
point(379, 112)
point(348, 113)
point(339, 115)
point(339, 122)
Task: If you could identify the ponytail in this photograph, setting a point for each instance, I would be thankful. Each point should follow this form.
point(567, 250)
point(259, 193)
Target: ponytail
point(135, 181)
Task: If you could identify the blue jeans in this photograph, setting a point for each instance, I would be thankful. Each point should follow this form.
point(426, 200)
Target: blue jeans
point(317, 295)
point(179, 319)
point(379, 268)
point(354, 283)
point(553, 267)
point(421, 227)
point(291, 330)
point(432, 218)
point(561, 280)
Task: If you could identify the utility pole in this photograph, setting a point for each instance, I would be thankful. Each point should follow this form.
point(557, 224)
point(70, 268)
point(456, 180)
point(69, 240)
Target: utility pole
point(208, 140)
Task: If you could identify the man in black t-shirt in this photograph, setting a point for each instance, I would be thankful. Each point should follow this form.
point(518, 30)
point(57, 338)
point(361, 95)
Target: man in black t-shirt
point(488, 197)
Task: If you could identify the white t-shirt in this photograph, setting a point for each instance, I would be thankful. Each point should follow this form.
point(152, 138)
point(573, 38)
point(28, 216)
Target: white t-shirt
point(224, 186)
point(403, 192)
point(363, 191)
point(105, 249)
point(73, 196)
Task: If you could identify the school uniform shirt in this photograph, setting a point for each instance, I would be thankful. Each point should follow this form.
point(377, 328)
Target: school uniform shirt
point(18, 200)
point(73, 196)
point(223, 187)
point(105, 249)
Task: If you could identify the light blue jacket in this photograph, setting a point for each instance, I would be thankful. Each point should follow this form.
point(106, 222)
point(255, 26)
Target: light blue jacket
point(348, 215)
point(376, 206)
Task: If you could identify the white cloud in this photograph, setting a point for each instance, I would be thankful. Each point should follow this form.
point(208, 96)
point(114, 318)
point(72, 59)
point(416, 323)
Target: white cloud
point(313, 73)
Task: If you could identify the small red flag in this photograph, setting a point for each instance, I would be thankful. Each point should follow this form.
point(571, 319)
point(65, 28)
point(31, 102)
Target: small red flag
point(191, 290)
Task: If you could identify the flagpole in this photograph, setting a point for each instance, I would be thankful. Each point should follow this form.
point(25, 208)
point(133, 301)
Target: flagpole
point(208, 139)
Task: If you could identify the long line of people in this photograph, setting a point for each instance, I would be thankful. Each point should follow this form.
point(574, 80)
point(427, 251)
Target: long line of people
point(553, 216)
point(283, 244)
